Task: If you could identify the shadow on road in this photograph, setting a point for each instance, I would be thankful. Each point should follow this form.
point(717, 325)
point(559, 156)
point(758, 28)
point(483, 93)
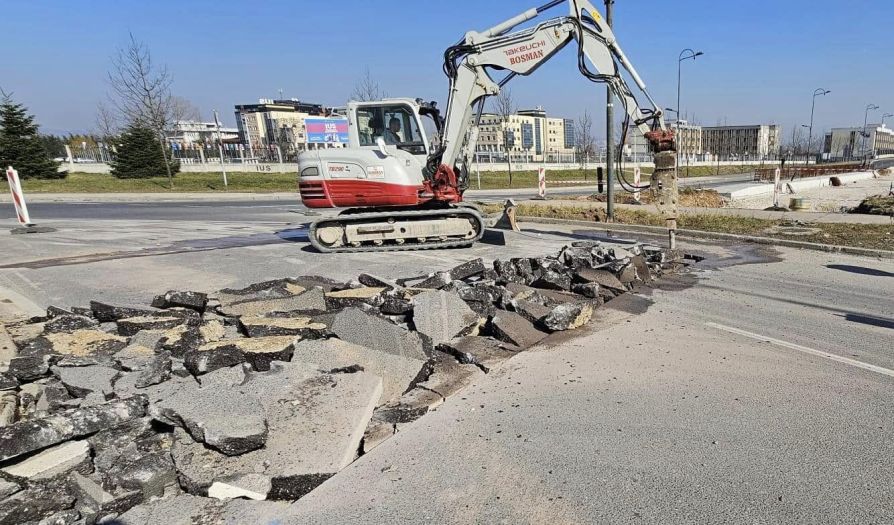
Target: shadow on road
point(862, 270)
point(870, 320)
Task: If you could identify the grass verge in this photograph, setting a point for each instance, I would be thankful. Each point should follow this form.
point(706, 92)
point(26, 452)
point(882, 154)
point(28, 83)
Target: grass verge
point(183, 182)
point(875, 236)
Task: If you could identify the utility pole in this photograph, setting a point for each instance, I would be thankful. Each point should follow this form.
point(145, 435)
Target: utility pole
point(223, 167)
point(816, 92)
point(609, 133)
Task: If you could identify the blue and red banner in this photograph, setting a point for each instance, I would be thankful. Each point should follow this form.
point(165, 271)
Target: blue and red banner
point(323, 130)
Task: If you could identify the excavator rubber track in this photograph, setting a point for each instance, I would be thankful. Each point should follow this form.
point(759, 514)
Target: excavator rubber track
point(394, 219)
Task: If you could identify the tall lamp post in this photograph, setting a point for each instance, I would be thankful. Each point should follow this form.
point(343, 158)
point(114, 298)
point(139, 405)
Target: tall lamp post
point(886, 115)
point(686, 54)
point(817, 92)
point(869, 107)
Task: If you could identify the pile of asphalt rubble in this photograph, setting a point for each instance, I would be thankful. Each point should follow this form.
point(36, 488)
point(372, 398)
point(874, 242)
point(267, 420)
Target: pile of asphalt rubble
point(231, 405)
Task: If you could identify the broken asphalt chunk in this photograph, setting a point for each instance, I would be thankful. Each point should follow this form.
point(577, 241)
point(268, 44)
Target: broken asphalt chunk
point(484, 352)
point(355, 326)
point(511, 327)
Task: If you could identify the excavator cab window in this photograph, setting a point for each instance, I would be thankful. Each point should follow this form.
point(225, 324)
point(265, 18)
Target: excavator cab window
point(396, 124)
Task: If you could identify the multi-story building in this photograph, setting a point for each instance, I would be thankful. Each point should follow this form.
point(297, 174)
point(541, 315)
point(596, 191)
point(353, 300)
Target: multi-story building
point(741, 142)
point(849, 143)
point(192, 132)
point(526, 135)
point(271, 123)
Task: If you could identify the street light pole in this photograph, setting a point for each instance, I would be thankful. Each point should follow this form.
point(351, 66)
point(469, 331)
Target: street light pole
point(816, 92)
point(884, 116)
point(689, 53)
point(863, 135)
point(609, 134)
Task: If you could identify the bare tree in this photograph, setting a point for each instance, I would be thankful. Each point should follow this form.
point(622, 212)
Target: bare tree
point(141, 92)
point(181, 109)
point(504, 106)
point(108, 125)
point(367, 89)
point(584, 142)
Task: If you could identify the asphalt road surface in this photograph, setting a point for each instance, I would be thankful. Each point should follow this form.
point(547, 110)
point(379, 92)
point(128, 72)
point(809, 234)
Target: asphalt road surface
point(755, 389)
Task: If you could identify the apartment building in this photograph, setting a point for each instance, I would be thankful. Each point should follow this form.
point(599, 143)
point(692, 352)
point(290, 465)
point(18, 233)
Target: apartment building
point(527, 134)
point(192, 132)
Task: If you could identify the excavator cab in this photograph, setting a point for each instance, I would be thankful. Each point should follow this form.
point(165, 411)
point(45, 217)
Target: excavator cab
point(397, 123)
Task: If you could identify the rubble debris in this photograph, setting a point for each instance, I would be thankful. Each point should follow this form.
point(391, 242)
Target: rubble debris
point(306, 327)
point(259, 394)
point(171, 299)
point(568, 316)
point(358, 327)
point(30, 435)
point(397, 372)
point(512, 328)
point(484, 352)
point(441, 316)
point(259, 352)
point(52, 462)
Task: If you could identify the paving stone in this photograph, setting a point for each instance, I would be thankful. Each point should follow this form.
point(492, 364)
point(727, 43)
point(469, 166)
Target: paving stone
point(355, 326)
point(226, 419)
point(311, 300)
point(531, 310)
point(69, 323)
point(8, 488)
point(35, 502)
point(375, 281)
point(568, 316)
point(252, 486)
point(53, 462)
point(354, 297)
point(103, 312)
point(410, 406)
point(512, 328)
point(9, 407)
point(80, 343)
point(172, 298)
point(435, 281)
point(306, 327)
point(184, 509)
point(553, 280)
point(484, 352)
point(8, 348)
point(92, 495)
point(158, 370)
point(467, 269)
point(448, 376)
point(397, 372)
point(442, 316)
point(259, 352)
point(131, 325)
point(8, 381)
point(294, 457)
point(603, 278)
point(82, 380)
point(27, 436)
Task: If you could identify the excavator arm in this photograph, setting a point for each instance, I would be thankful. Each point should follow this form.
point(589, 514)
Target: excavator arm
point(470, 62)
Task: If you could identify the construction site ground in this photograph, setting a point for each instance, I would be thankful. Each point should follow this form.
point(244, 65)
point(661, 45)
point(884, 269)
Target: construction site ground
point(757, 386)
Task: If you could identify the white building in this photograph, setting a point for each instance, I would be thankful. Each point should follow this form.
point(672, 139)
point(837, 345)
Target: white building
point(754, 142)
point(849, 143)
point(191, 132)
point(526, 135)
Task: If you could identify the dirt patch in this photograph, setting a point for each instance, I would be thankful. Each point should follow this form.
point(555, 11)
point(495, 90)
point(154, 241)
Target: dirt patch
point(689, 197)
point(876, 205)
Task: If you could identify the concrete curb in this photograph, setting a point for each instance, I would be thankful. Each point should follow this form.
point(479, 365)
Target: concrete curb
point(699, 234)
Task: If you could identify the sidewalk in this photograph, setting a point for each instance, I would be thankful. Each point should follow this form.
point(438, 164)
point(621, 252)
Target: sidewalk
point(805, 216)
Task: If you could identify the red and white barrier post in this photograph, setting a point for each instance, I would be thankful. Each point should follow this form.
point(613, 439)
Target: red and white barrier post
point(776, 188)
point(637, 174)
point(541, 182)
point(18, 196)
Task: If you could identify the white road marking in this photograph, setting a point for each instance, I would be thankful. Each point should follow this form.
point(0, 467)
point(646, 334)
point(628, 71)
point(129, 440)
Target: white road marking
point(852, 362)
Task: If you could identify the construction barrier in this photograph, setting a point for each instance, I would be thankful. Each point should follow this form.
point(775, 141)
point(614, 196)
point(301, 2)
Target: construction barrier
point(637, 175)
point(18, 196)
point(541, 182)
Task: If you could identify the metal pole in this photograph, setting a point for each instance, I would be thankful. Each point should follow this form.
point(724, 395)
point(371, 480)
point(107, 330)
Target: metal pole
point(817, 91)
point(220, 150)
point(609, 133)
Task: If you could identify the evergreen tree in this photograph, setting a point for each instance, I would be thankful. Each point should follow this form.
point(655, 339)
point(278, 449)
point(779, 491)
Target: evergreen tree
point(20, 145)
point(140, 155)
